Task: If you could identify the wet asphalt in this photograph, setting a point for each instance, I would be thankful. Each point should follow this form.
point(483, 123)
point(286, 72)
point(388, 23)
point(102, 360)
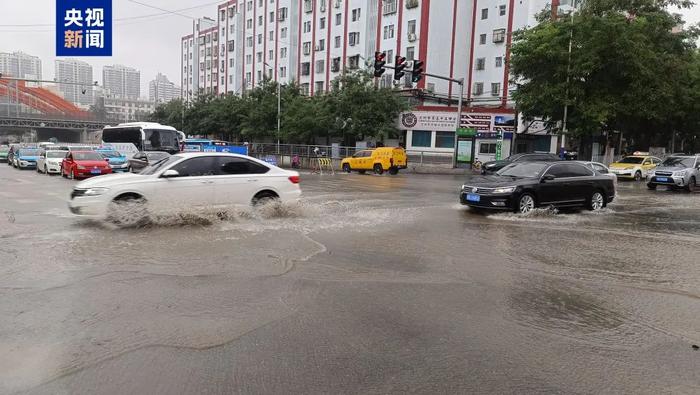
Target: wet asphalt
point(371, 284)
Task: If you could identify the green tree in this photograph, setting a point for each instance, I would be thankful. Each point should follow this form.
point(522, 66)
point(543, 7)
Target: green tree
point(627, 69)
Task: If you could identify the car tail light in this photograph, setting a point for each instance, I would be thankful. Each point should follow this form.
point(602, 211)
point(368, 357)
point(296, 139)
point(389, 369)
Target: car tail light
point(294, 179)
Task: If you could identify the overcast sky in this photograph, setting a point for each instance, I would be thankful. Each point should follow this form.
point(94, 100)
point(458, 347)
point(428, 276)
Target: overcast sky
point(150, 44)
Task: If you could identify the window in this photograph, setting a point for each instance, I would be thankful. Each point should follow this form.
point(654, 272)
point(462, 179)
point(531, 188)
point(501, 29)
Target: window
point(305, 68)
point(319, 67)
point(260, 75)
point(249, 24)
point(197, 167)
point(355, 14)
point(282, 14)
point(389, 7)
point(478, 88)
point(230, 62)
point(412, 26)
point(307, 27)
point(272, 17)
point(354, 38)
point(319, 87)
point(495, 89)
point(499, 61)
point(222, 80)
point(482, 39)
point(231, 45)
point(502, 9)
point(308, 5)
point(421, 138)
point(499, 35)
point(481, 63)
point(322, 23)
point(410, 53)
point(388, 31)
point(322, 44)
point(338, 19)
point(307, 47)
point(335, 65)
point(234, 166)
point(260, 38)
point(249, 41)
point(337, 42)
point(208, 64)
point(390, 56)
point(272, 35)
point(484, 13)
point(304, 89)
point(260, 3)
point(487, 148)
point(283, 72)
point(283, 32)
point(444, 140)
point(249, 59)
point(283, 53)
point(270, 54)
point(258, 57)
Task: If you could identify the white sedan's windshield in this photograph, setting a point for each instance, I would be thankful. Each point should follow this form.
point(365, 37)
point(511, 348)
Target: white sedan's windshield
point(153, 168)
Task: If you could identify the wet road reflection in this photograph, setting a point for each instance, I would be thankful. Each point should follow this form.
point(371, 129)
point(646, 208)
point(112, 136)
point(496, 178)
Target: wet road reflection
point(370, 284)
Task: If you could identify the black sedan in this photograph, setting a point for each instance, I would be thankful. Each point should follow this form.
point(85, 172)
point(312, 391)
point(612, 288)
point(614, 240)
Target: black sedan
point(521, 187)
point(140, 160)
point(496, 165)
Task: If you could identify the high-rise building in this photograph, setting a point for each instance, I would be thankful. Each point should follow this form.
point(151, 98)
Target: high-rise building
point(161, 90)
point(121, 81)
point(314, 41)
point(20, 65)
point(77, 78)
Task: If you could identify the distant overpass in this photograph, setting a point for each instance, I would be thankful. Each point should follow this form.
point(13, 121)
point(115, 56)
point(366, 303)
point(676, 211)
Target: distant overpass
point(46, 126)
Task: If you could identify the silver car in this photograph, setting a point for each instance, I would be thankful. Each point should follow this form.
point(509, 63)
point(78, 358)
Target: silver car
point(676, 172)
point(602, 169)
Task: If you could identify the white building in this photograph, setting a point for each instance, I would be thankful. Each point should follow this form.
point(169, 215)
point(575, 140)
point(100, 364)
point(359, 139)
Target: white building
point(314, 41)
point(121, 81)
point(126, 110)
point(79, 76)
point(161, 90)
point(20, 65)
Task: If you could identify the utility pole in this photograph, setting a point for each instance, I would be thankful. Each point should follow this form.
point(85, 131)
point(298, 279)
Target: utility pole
point(568, 79)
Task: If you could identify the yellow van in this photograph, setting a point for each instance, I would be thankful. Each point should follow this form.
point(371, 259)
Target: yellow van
point(379, 160)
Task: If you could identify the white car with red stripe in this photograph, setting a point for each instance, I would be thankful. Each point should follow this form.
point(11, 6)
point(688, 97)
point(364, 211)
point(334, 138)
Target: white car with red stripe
point(184, 182)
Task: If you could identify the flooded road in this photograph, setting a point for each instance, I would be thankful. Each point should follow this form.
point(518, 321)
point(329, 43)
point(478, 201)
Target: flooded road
point(372, 284)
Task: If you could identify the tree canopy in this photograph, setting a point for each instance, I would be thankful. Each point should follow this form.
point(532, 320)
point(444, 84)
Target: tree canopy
point(352, 110)
point(631, 69)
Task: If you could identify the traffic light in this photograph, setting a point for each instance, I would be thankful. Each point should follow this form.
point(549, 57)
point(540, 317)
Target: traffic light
point(417, 72)
point(379, 62)
point(400, 64)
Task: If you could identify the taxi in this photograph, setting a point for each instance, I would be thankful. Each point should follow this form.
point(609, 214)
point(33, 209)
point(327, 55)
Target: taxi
point(379, 160)
point(635, 166)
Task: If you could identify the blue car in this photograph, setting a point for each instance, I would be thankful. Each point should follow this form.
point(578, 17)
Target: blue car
point(26, 158)
point(117, 161)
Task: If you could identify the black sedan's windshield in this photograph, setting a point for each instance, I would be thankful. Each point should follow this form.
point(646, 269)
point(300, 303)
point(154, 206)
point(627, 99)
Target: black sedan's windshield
point(678, 161)
point(523, 169)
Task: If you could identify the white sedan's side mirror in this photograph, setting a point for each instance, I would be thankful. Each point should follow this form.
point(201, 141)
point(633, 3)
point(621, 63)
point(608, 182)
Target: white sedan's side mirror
point(170, 173)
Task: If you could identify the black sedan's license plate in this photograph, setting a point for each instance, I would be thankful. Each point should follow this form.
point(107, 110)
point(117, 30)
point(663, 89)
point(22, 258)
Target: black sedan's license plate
point(472, 197)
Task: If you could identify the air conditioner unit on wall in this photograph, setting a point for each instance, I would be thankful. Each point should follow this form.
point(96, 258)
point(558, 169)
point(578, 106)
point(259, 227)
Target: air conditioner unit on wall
point(412, 37)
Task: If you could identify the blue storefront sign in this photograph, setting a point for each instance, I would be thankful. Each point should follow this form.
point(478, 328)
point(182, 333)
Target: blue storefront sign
point(233, 149)
point(83, 27)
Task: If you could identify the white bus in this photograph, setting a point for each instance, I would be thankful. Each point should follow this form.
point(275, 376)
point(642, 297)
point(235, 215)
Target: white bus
point(145, 136)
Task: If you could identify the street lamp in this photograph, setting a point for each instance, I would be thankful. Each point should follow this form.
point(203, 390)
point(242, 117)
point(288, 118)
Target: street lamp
point(279, 107)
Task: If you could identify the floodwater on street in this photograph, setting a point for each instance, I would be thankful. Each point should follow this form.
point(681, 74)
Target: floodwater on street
point(370, 284)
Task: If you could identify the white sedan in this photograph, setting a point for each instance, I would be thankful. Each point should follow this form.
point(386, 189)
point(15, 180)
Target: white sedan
point(50, 162)
point(186, 181)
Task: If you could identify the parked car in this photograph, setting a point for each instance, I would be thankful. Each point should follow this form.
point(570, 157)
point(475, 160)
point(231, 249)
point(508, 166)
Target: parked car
point(26, 158)
point(496, 165)
point(4, 150)
point(521, 187)
point(83, 164)
point(49, 162)
point(634, 166)
point(117, 161)
point(199, 180)
point(142, 159)
point(379, 160)
point(604, 170)
point(676, 172)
